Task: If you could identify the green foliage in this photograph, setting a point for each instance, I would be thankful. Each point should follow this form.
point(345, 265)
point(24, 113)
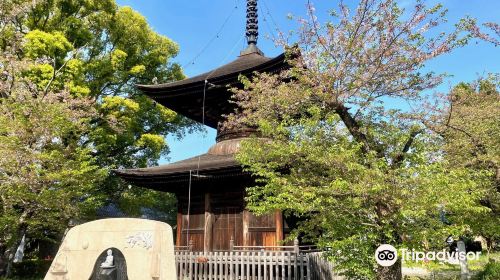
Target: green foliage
point(490, 272)
point(42, 44)
point(44, 173)
point(470, 128)
point(31, 269)
point(155, 143)
point(336, 156)
point(71, 112)
point(99, 50)
point(95, 48)
point(139, 202)
point(352, 202)
point(40, 74)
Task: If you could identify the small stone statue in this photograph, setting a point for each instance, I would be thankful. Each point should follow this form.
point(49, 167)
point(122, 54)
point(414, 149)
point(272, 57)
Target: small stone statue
point(108, 263)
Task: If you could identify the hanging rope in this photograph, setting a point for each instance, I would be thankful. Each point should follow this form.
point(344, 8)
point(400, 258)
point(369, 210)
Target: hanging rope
point(268, 12)
point(269, 15)
point(189, 209)
point(216, 36)
point(203, 112)
point(203, 122)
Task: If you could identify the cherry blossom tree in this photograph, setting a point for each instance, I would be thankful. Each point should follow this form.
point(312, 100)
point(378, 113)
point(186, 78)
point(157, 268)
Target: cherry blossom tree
point(338, 156)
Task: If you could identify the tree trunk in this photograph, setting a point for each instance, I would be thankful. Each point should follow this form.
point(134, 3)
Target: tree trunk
point(489, 245)
point(12, 250)
point(3, 261)
point(392, 272)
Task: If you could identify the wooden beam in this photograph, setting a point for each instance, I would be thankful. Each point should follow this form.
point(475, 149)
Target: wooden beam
point(209, 225)
point(279, 226)
point(246, 223)
point(179, 227)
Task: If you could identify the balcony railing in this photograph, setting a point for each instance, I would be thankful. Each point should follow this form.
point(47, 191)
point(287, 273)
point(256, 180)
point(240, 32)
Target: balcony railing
point(254, 263)
point(294, 248)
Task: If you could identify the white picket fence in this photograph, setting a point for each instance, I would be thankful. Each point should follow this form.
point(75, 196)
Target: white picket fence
point(253, 265)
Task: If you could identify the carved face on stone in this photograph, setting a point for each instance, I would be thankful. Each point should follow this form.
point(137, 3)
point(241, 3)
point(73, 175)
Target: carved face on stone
point(109, 252)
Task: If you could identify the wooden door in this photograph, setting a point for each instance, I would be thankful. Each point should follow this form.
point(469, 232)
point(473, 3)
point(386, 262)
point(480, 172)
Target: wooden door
point(228, 224)
point(191, 227)
point(262, 230)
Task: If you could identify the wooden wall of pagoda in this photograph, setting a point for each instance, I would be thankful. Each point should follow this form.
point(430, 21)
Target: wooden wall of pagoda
point(217, 214)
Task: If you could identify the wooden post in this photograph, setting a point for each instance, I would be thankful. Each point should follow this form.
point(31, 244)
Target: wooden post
point(279, 226)
point(464, 269)
point(178, 238)
point(246, 223)
point(209, 225)
point(296, 247)
point(191, 245)
point(231, 244)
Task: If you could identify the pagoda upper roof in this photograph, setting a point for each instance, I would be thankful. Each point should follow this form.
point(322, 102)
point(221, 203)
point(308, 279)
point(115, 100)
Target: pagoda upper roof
point(186, 96)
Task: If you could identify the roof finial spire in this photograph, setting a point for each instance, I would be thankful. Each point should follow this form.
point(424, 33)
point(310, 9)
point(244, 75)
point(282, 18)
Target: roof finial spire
point(252, 28)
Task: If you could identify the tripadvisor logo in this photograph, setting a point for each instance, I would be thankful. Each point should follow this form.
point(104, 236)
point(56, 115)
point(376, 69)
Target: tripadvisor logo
point(387, 255)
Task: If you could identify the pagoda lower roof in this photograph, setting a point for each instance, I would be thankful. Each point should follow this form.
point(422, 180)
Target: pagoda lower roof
point(186, 96)
point(165, 177)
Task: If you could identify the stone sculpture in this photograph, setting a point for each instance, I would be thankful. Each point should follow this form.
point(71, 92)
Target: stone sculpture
point(102, 249)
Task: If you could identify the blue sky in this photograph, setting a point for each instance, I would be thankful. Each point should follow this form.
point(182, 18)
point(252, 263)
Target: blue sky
point(198, 25)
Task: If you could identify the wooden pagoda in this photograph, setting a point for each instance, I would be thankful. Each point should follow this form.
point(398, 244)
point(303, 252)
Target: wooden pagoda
point(210, 188)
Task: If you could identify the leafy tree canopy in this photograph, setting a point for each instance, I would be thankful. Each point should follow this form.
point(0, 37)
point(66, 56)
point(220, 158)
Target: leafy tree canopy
point(467, 121)
point(71, 112)
point(353, 170)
